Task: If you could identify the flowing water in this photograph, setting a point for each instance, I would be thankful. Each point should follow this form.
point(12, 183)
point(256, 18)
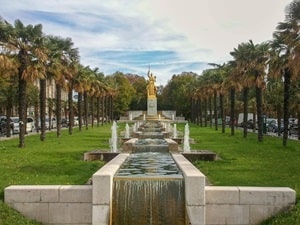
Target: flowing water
point(114, 138)
point(148, 190)
point(151, 145)
point(186, 139)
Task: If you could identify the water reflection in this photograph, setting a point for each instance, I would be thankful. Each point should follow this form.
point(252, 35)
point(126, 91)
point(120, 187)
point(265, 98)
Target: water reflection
point(149, 164)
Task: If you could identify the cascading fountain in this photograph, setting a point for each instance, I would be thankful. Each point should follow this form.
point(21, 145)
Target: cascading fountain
point(186, 140)
point(127, 134)
point(175, 131)
point(134, 128)
point(149, 188)
point(114, 138)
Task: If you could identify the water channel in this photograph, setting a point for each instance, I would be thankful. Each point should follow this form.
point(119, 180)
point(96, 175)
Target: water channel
point(149, 187)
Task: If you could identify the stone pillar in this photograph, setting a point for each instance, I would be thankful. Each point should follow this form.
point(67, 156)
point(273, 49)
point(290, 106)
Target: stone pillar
point(152, 107)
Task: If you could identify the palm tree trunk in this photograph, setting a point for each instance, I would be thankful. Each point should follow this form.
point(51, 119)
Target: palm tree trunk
point(58, 110)
point(42, 109)
point(197, 111)
point(92, 109)
point(192, 110)
point(111, 108)
point(205, 112)
point(222, 112)
point(286, 104)
point(245, 99)
point(232, 106)
point(85, 103)
point(102, 109)
point(279, 117)
point(259, 113)
point(36, 115)
point(215, 109)
point(106, 108)
point(50, 109)
point(200, 113)
point(71, 109)
point(98, 111)
point(210, 112)
point(22, 111)
point(22, 99)
point(79, 106)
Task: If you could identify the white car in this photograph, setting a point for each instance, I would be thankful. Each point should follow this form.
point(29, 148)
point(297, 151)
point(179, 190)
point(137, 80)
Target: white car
point(30, 126)
point(16, 125)
point(51, 125)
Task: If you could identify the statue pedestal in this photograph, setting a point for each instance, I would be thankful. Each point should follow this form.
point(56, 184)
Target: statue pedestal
point(152, 107)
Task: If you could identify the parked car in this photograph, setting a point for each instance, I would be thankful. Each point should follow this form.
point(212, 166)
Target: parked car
point(30, 126)
point(294, 128)
point(64, 122)
point(76, 121)
point(249, 124)
point(272, 126)
point(292, 121)
point(52, 124)
point(3, 126)
point(16, 125)
point(48, 125)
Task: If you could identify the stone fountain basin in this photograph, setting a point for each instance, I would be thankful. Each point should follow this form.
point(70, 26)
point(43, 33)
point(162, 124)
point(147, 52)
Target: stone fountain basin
point(151, 141)
point(150, 145)
point(149, 164)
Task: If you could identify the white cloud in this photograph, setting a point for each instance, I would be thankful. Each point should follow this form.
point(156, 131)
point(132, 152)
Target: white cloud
point(177, 35)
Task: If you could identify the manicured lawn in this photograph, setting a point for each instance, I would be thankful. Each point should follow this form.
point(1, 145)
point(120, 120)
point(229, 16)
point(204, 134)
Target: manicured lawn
point(243, 162)
point(55, 161)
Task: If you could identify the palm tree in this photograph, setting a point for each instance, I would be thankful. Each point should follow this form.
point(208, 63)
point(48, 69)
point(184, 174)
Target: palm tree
point(63, 56)
point(41, 122)
point(100, 88)
point(232, 84)
point(88, 90)
point(8, 86)
point(285, 56)
point(81, 86)
point(96, 86)
point(33, 100)
point(222, 72)
point(73, 69)
point(27, 45)
point(240, 55)
point(251, 64)
point(274, 99)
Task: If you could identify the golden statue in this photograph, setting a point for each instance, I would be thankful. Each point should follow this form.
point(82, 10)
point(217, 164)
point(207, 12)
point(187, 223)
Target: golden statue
point(151, 88)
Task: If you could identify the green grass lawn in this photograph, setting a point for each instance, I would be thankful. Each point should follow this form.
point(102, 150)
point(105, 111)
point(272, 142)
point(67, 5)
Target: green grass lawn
point(243, 162)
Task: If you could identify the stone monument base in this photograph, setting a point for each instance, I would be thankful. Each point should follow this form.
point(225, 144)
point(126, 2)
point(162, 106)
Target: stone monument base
point(152, 107)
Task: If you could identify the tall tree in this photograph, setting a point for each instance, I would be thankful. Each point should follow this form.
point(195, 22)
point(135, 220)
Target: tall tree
point(251, 63)
point(284, 62)
point(177, 92)
point(27, 44)
point(8, 86)
point(63, 55)
point(121, 92)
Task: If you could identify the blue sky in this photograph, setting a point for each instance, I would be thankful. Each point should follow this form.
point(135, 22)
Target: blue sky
point(170, 36)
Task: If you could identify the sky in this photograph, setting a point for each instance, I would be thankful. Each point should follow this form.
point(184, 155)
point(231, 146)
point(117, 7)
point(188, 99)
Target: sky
point(167, 36)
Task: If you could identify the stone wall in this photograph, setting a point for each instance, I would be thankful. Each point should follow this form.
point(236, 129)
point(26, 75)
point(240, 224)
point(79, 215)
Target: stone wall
point(52, 204)
point(245, 205)
point(91, 204)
